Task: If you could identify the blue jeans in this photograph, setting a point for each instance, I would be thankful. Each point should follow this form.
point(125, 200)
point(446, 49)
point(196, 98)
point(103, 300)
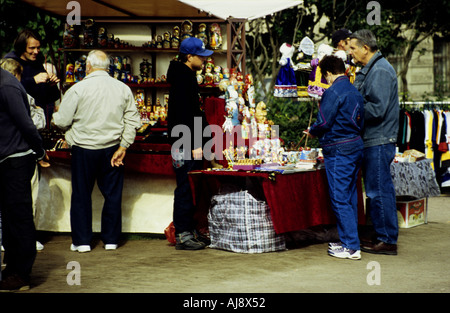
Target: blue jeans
point(342, 164)
point(380, 191)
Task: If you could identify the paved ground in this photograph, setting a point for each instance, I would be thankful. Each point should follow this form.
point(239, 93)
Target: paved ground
point(153, 266)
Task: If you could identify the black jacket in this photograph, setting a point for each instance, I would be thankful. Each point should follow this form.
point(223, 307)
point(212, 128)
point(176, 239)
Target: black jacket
point(185, 105)
point(43, 94)
point(17, 131)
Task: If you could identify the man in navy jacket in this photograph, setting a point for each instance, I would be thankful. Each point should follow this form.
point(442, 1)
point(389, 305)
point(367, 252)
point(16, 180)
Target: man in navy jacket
point(377, 82)
point(20, 148)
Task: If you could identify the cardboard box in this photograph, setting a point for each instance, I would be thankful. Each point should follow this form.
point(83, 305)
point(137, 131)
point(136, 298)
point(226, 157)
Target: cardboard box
point(412, 213)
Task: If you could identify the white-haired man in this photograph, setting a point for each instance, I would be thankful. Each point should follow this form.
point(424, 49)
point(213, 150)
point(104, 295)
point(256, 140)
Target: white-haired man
point(100, 119)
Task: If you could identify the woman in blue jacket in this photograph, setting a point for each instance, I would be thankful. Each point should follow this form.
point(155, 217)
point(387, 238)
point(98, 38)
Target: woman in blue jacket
point(338, 126)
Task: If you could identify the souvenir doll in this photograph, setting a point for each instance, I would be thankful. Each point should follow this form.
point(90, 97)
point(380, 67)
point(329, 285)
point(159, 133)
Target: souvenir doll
point(201, 34)
point(286, 83)
point(260, 113)
point(111, 40)
point(90, 36)
point(80, 68)
point(102, 38)
point(209, 77)
point(226, 73)
point(166, 40)
point(317, 83)
point(70, 37)
point(126, 64)
point(215, 36)
point(159, 41)
point(70, 78)
point(186, 29)
point(200, 77)
point(231, 109)
point(217, 74)
point(175, 40)
point(144, 69)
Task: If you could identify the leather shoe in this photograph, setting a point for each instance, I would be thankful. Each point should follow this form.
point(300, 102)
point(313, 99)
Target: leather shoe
point(380, 247)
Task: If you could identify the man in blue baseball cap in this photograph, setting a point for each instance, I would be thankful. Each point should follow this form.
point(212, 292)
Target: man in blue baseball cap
point(183, 113)
point(194, 46)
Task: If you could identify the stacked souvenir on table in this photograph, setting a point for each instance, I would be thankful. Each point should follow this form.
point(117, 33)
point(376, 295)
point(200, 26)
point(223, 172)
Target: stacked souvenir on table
point(150, 114)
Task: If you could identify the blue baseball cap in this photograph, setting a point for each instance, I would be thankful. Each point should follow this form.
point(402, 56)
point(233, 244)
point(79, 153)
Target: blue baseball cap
point(195, 46)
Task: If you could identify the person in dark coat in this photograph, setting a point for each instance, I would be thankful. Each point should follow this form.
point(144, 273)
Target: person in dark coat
point(20, 147)
point(186, 122)
point(39, 84)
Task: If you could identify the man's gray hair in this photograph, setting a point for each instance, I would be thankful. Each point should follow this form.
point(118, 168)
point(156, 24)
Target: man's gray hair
point(365, 37)
point(98, 59)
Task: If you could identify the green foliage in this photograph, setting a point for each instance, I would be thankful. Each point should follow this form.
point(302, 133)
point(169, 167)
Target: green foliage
point(293, 118)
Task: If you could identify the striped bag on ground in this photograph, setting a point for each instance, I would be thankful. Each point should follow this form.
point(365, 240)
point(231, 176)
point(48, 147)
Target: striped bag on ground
point(240, 223)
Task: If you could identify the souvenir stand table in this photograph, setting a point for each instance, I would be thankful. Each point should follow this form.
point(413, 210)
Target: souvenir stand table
point(296, 200)
point(414, 180)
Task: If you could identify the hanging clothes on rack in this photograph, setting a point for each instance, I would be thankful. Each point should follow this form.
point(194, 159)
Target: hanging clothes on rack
point(427, 131)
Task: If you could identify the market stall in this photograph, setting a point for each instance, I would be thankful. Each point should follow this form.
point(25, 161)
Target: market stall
point(142, 37)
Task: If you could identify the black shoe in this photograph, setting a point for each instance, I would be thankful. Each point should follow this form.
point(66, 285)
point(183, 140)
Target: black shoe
point(380, 247)
point(14, 283)
point(202, 238)
point(186, 241)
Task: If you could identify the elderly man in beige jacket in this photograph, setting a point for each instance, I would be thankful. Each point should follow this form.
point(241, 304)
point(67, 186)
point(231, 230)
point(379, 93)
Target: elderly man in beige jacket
point(100, 118)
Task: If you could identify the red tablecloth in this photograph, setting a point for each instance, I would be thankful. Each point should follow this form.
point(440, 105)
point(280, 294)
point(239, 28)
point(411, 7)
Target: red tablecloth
point(297, 201)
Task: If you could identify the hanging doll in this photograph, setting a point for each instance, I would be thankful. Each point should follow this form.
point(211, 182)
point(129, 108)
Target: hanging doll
point(317, 83)
point(286, 83)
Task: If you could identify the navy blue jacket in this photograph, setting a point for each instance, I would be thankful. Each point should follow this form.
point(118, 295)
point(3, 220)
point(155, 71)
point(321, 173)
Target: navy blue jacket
point(17, 131)
point(377, 82)
point(341, 114)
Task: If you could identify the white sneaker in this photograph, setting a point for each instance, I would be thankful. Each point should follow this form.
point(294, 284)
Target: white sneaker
point(39, 246)
point(110, 247)
point(334, 245)
point(345, 253)
point(81, 248)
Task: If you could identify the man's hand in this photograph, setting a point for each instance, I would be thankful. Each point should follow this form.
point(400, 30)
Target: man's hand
point(52, 79)
point(44, 162)
point(197, 154)
point(119, 155)
point(43, 78)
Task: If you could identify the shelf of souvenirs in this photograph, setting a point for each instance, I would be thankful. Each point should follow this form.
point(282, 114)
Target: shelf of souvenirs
point(132, 49)
point(153, 84)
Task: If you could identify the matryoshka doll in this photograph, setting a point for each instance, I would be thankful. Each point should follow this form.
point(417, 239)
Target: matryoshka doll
point(215, 36)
